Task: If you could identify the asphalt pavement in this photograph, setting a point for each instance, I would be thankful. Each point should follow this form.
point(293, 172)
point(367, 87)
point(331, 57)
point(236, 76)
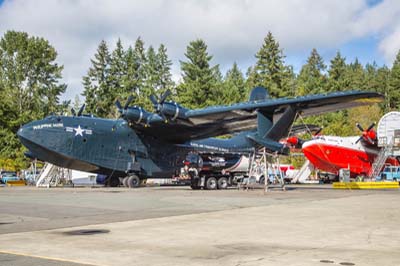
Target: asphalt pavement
point(305, 225)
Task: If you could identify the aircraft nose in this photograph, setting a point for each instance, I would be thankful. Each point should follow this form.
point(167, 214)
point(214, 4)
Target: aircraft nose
point(22, 132)
point(308, 148)
point(305, 145)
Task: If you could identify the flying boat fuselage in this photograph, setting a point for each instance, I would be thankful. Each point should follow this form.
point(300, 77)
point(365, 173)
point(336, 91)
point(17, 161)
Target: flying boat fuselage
point(331, 153)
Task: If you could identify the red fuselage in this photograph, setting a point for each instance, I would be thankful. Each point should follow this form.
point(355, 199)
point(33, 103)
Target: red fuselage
point(329, 153)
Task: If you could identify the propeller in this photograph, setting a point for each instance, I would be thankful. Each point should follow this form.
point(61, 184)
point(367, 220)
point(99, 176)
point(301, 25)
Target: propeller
point(134, 114)
point(367, 134)
point(316, 133)
point(371, 126)
point(296, 142)
point(158, 104)
point(121, 108)
point(80, 111)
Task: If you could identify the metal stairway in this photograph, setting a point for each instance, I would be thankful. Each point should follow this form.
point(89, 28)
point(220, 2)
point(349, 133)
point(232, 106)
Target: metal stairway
point(380, 160)
point(303, 173)
point(52, 175)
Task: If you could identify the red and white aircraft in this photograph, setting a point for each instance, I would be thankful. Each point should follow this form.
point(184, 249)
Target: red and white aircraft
point(331, 153)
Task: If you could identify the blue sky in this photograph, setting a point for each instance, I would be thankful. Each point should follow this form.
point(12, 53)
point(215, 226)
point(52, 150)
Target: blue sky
point(233, 29)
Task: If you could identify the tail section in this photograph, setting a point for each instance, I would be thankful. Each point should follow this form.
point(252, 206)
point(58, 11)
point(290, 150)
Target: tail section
point(271, 127)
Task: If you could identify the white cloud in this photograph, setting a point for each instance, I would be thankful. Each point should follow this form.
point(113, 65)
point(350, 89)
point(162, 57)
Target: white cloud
point(382, 20)
point(233, 30)
point(390, 45)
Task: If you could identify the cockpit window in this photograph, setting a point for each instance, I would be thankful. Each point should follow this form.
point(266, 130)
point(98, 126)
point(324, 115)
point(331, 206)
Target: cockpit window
point(50, 117)
point(53, 118)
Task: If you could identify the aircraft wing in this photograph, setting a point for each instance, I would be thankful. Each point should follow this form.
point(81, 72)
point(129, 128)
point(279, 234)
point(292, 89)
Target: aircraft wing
point(307, 105)
point(220, 120)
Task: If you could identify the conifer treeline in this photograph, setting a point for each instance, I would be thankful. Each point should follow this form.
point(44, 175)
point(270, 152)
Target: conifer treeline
point(143, 71)
point(30, 83)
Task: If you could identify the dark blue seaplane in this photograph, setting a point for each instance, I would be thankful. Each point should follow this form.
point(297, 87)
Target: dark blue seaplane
point(141, 144)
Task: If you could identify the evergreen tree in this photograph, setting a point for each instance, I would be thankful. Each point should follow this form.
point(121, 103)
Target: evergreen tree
point(97, 84)
point(135, 78)
point(394, 84)
point(77, 103)
point(371, 71)
point(250, 79)
point(29, 87)
point(164, 70)
point(129, 81)
point(289, 82)
point(269, 69)
point(139, 55)
point(356, 76)
point(151, 79)
point(118, 70)
point(234, 89)
point(219, 87)
point(199, 85)
point(337, 74)
point(382, 86)
point(311, 79)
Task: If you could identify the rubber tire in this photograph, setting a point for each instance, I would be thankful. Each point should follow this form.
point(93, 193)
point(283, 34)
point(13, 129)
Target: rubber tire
point(113, 182)
point(222, 183)
point(133, 181)
point(211, 183)
point(125, 181)
point(194, 187)
point(262, 180)
point(194, 184)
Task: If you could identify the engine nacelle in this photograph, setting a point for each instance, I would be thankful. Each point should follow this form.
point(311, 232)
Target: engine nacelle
point(369, 137)
point(173, 110)
point(136, 115)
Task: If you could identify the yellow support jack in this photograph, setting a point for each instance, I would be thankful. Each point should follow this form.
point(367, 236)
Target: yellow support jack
point(366, 185)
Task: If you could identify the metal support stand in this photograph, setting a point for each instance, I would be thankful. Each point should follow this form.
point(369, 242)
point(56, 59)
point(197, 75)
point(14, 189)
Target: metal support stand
point(275, 168)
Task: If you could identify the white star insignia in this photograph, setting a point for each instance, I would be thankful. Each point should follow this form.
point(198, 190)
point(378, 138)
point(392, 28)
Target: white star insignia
point(79, 131)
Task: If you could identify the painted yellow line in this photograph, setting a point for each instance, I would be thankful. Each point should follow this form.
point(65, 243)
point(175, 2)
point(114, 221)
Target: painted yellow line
point(366, 185)
point(46, 258)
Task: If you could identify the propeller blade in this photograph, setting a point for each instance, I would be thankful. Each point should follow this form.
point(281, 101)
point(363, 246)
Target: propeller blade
point(300, 143)
point(318, 131)
point(359, 127)
point(81, 109)
point(153, 99)
point(118, 104)
point(360, 138)
point(164, 118)
point(130, 99)
point(371, 126)
point(73, 111)
point(164, 96)
point(148, 121)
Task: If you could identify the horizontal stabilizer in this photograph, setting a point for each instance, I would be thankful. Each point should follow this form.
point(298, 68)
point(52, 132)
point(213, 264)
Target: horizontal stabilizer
point(271, 145)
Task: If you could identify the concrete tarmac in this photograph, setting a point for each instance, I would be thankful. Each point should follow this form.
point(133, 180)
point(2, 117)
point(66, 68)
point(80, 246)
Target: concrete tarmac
point(306, 225)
